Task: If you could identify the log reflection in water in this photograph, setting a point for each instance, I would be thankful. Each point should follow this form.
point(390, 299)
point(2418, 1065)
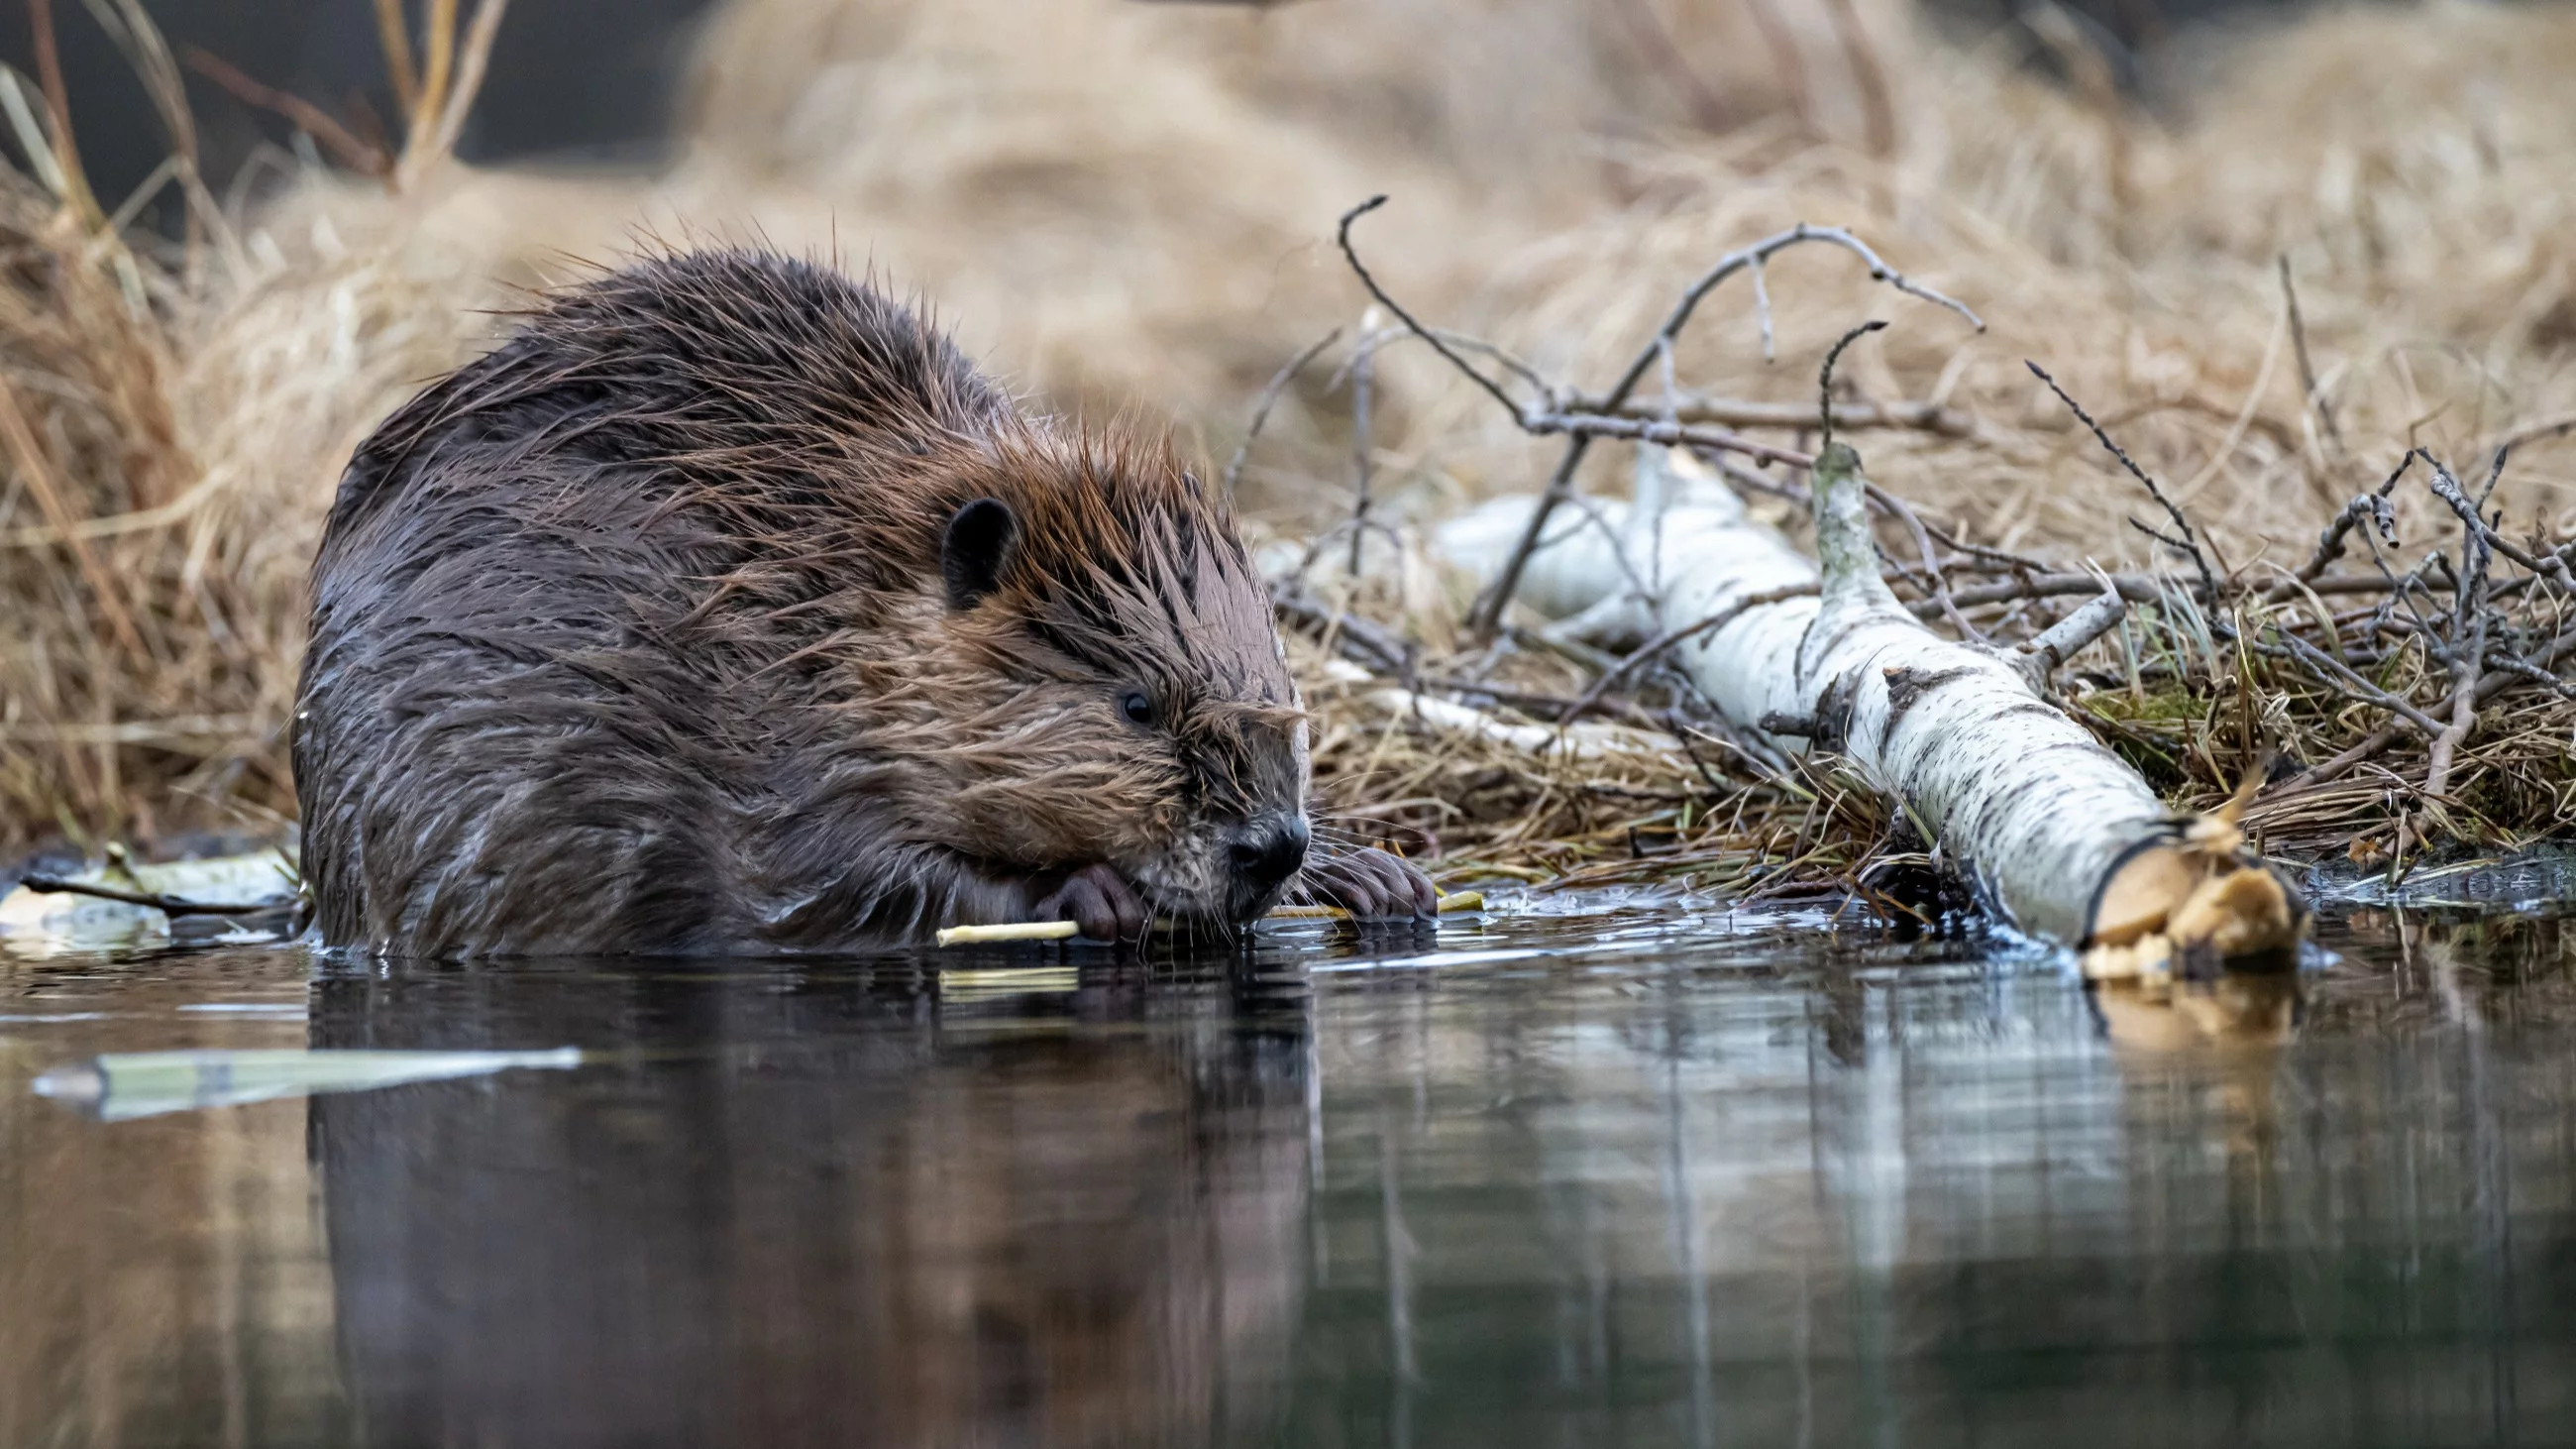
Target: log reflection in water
point(1081, 1228)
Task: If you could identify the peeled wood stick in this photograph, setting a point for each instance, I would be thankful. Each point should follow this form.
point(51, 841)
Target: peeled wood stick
point(1010, 931)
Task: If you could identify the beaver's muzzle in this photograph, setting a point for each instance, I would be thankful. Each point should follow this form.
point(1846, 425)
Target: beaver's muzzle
point(1264, 855)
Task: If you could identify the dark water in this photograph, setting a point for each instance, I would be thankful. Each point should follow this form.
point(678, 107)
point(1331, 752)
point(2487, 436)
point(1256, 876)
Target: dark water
point(1640, 1176)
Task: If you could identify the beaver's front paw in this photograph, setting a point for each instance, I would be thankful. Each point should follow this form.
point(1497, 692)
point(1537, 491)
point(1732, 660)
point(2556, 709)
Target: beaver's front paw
point(1098, 900)
point(1369, 883)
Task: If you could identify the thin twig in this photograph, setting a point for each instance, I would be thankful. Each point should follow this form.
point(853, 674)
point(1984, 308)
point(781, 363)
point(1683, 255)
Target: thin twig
point(314, 121)
point(1825, 379)
point(2307, 369)
point(1356, 636)
point(2136, 588)
point(1585, 426)
point(2447, 488)
point(2534, 432)
point(1268, 399)
point(2189, 542)
point(168, 905)
point(2373, 505)
point(1654, 647)
point(1487, 615)
point(1918, 415)
point(2469, 631)
point(2341, 679)
point(1351, 255)
point(2524, 669)
point(1363, 438)
point(1762, 309)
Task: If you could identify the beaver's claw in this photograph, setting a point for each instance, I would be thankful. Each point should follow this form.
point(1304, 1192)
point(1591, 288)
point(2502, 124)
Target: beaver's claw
point(1098, 900)
point(1369, 883)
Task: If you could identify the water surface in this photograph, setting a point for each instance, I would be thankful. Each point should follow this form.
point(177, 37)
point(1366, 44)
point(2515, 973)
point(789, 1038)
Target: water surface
point(1610, 1171)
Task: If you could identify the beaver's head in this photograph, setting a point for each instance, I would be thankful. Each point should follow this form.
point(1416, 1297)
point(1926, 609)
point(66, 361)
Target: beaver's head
point(1100, 681)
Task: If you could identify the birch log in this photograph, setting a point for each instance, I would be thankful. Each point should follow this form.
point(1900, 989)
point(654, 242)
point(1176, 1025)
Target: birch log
point(2058, 836)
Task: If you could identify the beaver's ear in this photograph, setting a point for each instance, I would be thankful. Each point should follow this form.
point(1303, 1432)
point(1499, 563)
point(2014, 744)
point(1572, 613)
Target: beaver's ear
point(977, 546)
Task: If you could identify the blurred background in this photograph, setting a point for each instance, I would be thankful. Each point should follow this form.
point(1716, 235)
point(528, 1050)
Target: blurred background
point(632, 56)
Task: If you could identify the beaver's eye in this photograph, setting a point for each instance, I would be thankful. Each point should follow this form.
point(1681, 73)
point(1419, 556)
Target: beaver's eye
point(1137, 708)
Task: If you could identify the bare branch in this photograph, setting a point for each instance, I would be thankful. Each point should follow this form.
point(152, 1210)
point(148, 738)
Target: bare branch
point(2136, 588)
point(167, 905)
point(1268, 399)
point(307, 117)
point(1654, 648)
point(1825, 379)
point(1487, 615)
point(2340, 677)
point(2447, 488)
point(2307, 368)
point(2374, 505)
point(1586, 426)
point(1351, 255)
point(2189, 542)
point(2068, 636)
point(1918, 415)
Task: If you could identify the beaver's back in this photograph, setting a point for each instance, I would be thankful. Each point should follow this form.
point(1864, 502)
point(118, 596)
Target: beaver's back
point(559, 593)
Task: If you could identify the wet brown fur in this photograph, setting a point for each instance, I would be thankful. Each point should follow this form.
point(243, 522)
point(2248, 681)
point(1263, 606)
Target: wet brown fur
point(632, 636)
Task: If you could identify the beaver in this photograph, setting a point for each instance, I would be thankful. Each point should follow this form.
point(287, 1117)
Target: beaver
point(726, 608)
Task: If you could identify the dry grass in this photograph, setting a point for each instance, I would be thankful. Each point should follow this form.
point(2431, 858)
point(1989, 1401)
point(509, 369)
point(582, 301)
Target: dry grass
point(1130, 206)
point(2142, 266)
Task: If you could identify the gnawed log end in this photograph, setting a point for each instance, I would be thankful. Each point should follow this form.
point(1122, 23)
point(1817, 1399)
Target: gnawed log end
point(2193, 905)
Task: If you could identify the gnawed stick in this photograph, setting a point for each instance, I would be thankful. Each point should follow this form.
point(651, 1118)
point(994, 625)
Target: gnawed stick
point(1009, 931)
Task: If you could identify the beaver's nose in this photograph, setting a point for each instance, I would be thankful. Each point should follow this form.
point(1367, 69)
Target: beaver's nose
point(1269, 851)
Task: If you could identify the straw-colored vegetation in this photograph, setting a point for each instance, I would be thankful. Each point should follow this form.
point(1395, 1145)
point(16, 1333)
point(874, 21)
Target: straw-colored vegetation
point(1132, 206)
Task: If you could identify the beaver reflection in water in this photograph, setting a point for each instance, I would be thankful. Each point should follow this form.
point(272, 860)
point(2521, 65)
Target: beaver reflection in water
point(727, 608)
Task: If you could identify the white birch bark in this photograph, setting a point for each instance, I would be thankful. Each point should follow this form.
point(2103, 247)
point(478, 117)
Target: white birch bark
point(2023, 802)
